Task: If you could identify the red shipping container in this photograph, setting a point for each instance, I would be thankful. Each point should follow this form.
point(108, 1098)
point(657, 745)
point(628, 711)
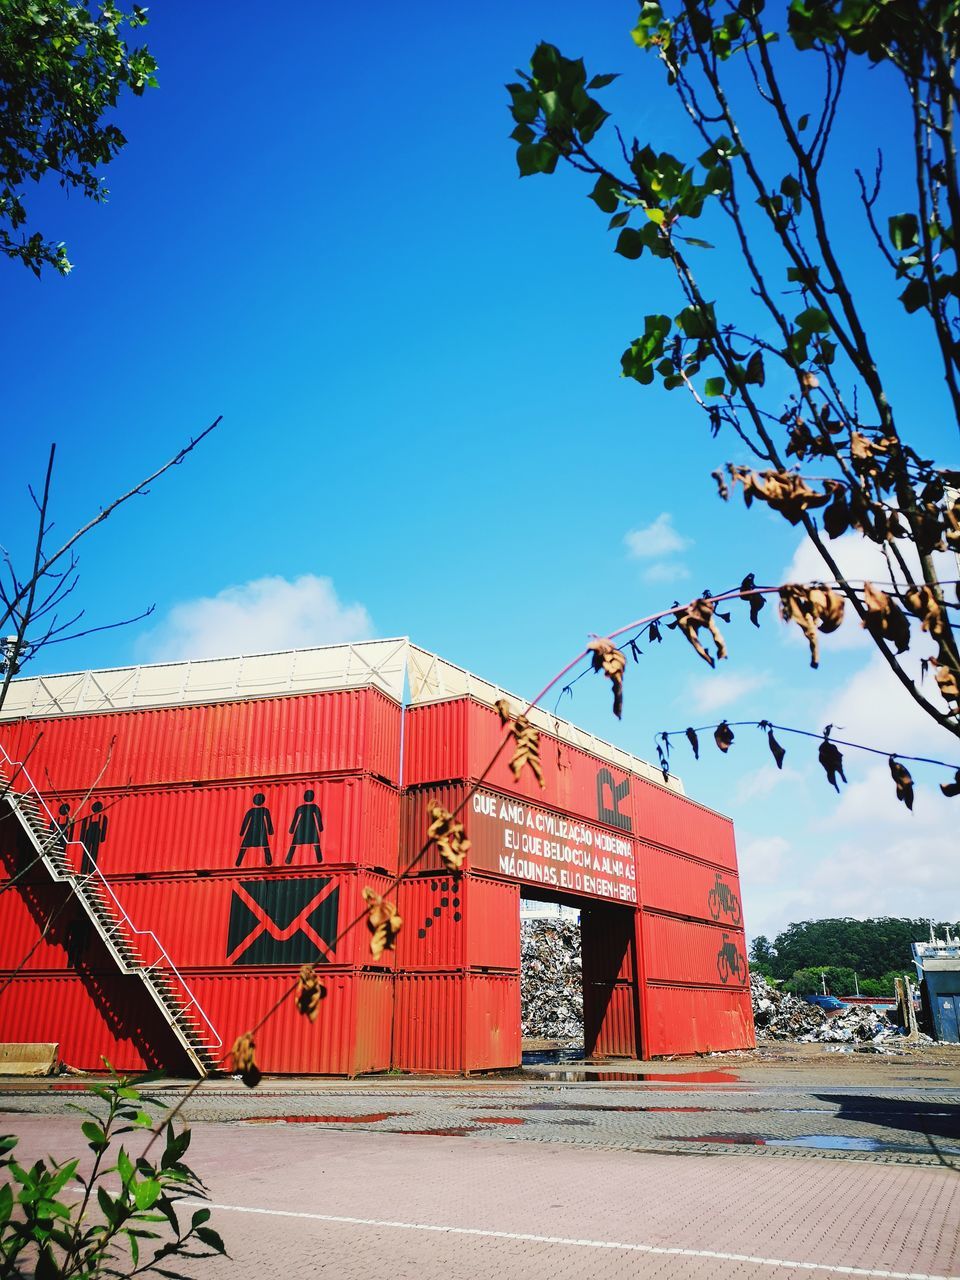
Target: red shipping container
point(607, 942)
point(237, 921)
point(352, 1033)
point(458, 922)
point(352, 819)
point(697, 954)
point(254, 739)
point(610, 1028)
point(674, 883)
point(695, 1020)
point(456, 740)
point(452, 1023)
point(522, 841)
point(674, 822)
point(43, 927)
point(92, 1017)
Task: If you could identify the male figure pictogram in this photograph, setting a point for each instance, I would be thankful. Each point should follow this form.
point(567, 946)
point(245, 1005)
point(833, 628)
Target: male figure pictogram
point(60, 827)
point(256, 830)
point(306, 827)
point(93, 832)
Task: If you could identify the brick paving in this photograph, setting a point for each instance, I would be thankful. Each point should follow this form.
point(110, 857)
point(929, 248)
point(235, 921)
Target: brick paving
point(588, 1183)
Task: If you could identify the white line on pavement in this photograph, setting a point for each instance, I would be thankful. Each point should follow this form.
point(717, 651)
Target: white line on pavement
point(584, 1244)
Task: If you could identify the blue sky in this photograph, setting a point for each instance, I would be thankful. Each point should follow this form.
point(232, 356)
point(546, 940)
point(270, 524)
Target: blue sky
point(317, 231)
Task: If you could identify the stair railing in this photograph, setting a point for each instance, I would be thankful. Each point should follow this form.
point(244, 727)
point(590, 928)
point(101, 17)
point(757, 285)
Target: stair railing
point(82, 876)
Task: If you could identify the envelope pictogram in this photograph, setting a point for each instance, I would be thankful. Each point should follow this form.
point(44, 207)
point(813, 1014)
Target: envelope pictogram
point(283, 921)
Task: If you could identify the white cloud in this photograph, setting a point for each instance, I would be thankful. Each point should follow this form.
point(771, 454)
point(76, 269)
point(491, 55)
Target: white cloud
point(657, 539)
point(665, 571)
point(760, 782)
point(261, 616)
point(710, 693)
point(761, 861)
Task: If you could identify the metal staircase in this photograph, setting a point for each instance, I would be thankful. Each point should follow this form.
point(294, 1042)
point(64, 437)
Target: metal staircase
point(68, 862)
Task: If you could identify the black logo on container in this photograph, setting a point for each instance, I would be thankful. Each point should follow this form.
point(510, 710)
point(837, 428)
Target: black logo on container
point(723, 901)
point(608, 809)
point(287, 922)
point(731, 962)
point(445, 888)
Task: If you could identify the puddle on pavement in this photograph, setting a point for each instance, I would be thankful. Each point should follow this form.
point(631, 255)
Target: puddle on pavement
point(683, 1080)
point(372, 1118)
point(538, 1057)
point(819, 1142)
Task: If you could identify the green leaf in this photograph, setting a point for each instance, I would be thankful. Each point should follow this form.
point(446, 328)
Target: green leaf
point(619, 220)
point(802, 123)
point(605, 194)
point(915, 296)
point(147, 1193)
point(807, 276)
point(61, 1177)
point(175, 1148)
point(601, 82)
point(813, 320)
point(125, 1166)
point(94, 1134)
point(199, 1218)
point(630, 243)
point(108, 1206)
point(714, 387)
point(698, 322)
point(904, 230)
point(700, 244)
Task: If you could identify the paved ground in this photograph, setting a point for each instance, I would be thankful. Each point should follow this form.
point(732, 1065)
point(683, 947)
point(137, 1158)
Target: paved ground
point(851, 1173)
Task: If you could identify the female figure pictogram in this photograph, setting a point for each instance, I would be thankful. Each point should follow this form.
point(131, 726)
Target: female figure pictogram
point(93, 832)
point(256, 830)
point(306, 827)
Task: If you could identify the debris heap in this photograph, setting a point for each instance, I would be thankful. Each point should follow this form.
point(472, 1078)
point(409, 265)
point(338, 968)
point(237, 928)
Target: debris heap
point(551, 981)
point(779, 1016)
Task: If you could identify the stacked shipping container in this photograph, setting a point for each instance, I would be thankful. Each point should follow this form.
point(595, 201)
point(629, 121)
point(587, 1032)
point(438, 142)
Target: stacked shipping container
point(241, 833)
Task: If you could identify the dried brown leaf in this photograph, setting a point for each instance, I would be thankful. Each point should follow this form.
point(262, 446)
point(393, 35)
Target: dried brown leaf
point(244, 1060)
point(608, 659)
point(903, 781)
point(697, 615)
point(951, 789)
point(814, 609)
point(309, 992)
point(527, 750)
point(755, 601)
point(832, 762)
point(382, 921)
point(776, 750)
point(885, 619)
point(448, 836)
point(722, 487)
point(923, 604)
point(946, 677)
point(694, 742)
point(723, 736)
point(503, 710)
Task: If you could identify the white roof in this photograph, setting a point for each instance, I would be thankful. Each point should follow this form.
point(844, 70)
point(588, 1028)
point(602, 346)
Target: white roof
point(382, 664)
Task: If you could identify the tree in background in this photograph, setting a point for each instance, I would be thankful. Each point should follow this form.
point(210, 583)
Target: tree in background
point(63, 68)
point(829, 453)
point(870, 948)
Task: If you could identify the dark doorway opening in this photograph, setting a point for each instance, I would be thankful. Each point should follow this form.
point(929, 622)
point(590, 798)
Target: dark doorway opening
point(579, 979)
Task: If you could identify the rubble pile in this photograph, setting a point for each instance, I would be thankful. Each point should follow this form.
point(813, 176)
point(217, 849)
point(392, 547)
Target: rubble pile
point(779, 1016)
point(551, 981)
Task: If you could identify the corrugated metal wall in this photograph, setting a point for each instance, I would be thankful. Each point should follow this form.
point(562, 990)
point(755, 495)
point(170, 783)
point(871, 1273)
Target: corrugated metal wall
point(357, 730)
point(185, 796)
